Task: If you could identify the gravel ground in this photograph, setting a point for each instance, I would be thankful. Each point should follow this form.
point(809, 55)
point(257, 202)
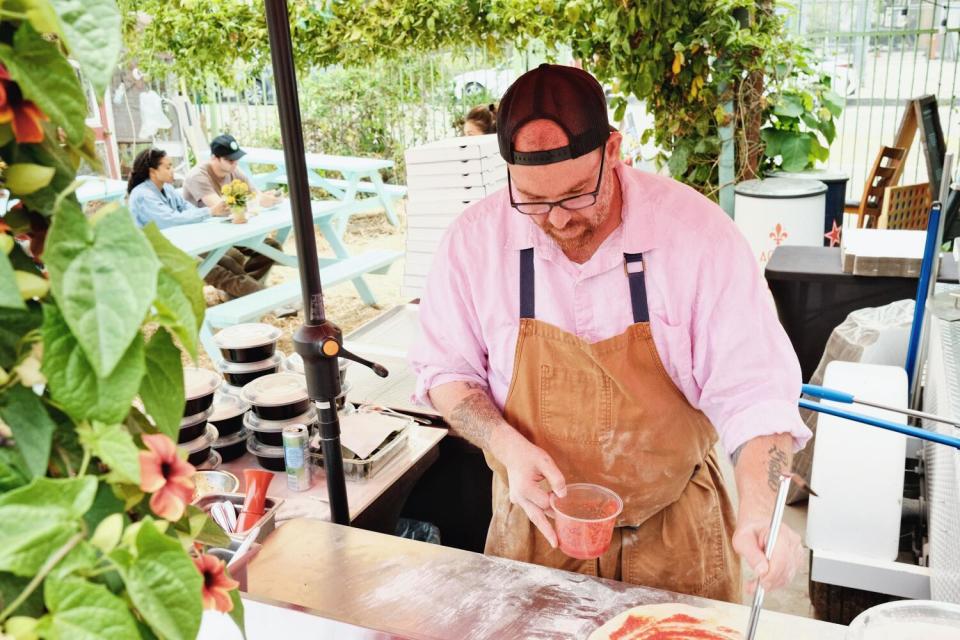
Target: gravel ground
point(344, 306)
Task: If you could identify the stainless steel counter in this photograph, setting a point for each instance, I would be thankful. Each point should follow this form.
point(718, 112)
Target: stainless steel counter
point(425, 592)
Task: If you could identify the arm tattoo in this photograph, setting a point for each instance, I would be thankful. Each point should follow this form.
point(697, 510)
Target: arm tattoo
point(474, 417)
point(779, 465)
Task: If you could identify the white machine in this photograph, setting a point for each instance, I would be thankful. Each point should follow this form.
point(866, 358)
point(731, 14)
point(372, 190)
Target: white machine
point(887, 522)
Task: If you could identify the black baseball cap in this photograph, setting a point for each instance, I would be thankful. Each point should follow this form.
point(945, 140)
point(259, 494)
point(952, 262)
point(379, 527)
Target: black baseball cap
point(568, 96)
point(225, 146)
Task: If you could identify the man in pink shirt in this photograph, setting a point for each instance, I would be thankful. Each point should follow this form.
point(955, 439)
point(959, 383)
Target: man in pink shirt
point(595, 324)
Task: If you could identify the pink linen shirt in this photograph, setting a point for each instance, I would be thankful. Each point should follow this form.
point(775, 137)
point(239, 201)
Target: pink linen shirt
point(712, 320)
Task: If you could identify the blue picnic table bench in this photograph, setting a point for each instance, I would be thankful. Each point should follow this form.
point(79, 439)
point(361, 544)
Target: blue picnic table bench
point(211, 239)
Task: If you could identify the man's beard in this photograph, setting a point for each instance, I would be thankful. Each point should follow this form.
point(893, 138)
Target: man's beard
point(573, 237)
point(579, 232)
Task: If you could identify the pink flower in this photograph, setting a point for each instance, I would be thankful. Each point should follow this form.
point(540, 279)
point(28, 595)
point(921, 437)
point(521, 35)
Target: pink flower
point(217, 585)
point(166, 476)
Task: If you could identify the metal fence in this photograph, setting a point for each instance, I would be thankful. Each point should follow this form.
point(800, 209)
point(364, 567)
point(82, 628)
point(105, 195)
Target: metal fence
point(879, 53)
point(382, 110)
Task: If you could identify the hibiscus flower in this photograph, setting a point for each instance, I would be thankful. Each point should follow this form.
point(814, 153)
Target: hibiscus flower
point(24, 116)
point(217, 585)
point(166, 476)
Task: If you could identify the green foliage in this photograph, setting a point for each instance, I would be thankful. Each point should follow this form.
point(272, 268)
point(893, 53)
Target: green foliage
point(80, 558)
point(687, 60)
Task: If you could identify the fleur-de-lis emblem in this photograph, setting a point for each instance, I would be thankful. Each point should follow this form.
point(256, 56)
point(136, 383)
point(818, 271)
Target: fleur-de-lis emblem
point(778, 235)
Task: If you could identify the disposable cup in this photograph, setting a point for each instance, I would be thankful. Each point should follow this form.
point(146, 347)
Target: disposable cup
point(584, 519)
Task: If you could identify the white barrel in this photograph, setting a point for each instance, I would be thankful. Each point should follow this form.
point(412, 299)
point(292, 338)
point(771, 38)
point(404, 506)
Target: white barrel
point(780, 211)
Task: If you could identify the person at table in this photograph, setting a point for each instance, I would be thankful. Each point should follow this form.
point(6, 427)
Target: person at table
point(203, 187)
point(152, 198)
point(204, 183)
point(481, 121)
point(594, 323)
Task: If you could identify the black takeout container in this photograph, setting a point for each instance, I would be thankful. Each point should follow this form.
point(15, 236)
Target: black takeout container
point(279, 396)
point(248, 342)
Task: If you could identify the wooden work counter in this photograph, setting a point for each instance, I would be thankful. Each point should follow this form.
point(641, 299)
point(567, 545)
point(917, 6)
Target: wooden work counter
point(374, 503)
point(407, 589)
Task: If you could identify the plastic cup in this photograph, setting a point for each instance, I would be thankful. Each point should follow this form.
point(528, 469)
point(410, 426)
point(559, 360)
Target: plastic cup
point(584, 519)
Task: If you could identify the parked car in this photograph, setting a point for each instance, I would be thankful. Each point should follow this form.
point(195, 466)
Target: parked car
point(494, 82)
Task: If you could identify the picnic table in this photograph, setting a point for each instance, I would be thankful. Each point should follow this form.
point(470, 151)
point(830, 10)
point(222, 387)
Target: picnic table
point(101, 189)
point(213, 237)
point(360, 176)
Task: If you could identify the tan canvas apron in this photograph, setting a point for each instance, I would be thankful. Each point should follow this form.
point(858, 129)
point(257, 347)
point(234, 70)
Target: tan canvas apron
point(608, 413)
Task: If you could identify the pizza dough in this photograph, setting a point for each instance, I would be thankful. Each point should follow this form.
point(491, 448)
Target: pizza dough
point(671, 621)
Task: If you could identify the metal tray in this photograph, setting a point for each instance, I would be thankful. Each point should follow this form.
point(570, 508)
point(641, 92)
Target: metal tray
point(355, 469)
point(267, 523)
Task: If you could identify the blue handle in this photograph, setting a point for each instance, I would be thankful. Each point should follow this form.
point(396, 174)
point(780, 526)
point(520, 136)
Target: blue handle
point(930, 253)
point(827, 394)
point(913, 432)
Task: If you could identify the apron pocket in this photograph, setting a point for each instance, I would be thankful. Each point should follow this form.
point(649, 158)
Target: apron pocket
point(575, 404)
point(681, 548)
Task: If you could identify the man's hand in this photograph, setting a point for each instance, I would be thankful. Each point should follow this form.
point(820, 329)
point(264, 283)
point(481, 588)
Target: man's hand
point(527, 466)
point(761, 463)
point(219, 209)
point(749, 540)
point(471, 414)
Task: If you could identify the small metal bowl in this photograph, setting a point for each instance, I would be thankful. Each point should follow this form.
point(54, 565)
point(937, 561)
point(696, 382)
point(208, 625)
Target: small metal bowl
point(215, 481)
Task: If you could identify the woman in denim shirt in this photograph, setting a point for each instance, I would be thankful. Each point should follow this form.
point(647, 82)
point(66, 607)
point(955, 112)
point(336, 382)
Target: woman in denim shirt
point(152, 197)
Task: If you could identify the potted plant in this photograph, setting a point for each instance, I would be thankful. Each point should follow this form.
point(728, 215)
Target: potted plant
point(237, 196)
point(97, 535)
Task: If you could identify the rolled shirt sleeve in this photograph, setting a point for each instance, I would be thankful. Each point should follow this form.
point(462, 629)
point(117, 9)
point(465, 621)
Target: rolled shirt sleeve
point(449, 347)
point(743, 362)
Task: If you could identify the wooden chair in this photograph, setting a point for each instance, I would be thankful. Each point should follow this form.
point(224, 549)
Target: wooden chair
point(885, 173)
point(906, 207)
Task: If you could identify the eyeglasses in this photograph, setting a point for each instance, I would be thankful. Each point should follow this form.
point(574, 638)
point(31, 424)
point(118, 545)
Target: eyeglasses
point(572, 203)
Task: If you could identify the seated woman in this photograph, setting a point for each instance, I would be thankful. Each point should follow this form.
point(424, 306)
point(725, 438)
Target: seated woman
point(481, 121)
point(152, 198)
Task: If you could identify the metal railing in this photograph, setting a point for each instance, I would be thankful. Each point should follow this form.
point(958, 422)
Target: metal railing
point(879, 53)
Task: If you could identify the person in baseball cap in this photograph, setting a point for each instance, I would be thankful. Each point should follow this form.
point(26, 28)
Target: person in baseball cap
point(597, 330)
point(225, 146)
point(242, 270)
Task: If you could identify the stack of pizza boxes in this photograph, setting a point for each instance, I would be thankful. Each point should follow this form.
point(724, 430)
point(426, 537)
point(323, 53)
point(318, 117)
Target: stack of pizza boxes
point(444, 178)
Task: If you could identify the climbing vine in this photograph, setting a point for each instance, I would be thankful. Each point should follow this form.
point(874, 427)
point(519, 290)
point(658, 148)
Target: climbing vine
point(699, 65)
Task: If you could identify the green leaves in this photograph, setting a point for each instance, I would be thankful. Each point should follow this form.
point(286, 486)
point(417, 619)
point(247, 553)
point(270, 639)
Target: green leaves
point(795, 151)
point(55, 90)
point(9, 291)
point(36, 520)
point(91, 29)
point(834, 103)
point(76, 386)
point(115, 448)
point(104, 279)
point(180, 301)
point(32, 427)
point(82, 610)
point(679, 161)
point(162, 390)
point(163, 584)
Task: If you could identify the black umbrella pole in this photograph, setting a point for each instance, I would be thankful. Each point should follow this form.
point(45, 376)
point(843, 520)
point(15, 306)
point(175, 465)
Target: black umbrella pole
point(320, 363)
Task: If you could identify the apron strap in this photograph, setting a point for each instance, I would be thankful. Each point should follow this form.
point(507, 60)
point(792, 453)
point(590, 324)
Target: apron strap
point(633, 265)
point(527, 297)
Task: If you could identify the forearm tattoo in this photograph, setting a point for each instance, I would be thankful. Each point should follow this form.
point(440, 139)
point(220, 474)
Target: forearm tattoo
point(475, 416)
point(778, 466)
